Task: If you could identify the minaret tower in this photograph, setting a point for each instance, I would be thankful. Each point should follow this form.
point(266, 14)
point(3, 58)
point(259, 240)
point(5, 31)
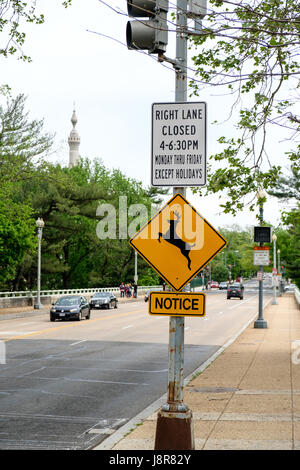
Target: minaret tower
point(74, 142)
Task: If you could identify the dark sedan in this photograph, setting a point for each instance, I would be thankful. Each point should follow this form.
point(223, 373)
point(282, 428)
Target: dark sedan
point(235, 290)
point(70, 307)
point(103, 300)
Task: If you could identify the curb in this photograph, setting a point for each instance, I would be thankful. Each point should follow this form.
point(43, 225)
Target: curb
point(127, 428)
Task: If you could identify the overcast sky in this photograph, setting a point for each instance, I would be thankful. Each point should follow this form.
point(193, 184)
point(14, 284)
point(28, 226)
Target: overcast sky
point(113, 90)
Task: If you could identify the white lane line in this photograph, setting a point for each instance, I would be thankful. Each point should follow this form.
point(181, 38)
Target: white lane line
point(186, 328)
point(240, 303)
point(78, 342)
point(68, 379)
point(128, 326)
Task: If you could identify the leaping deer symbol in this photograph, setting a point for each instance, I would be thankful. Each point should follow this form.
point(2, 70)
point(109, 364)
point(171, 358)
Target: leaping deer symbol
point(171, 237)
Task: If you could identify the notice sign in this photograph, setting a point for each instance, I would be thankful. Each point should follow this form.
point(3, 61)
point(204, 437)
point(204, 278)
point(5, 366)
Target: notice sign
point(178, 144)
point(177, 304)
point(261, 256)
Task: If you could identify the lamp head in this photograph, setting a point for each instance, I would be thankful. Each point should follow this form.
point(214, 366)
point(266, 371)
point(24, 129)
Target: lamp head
point(261, 194)
point(40, 223)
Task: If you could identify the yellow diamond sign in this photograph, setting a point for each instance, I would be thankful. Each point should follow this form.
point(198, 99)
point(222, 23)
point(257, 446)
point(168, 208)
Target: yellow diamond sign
point(177, 242)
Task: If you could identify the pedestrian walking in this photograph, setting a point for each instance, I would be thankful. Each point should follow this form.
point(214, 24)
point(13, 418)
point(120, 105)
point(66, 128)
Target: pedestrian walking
point(122, 290)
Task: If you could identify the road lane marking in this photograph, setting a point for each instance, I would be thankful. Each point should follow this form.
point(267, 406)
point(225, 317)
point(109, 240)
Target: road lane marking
point(128, 326)
point(68, 379)
point(81, 324)
point(240, 303)
point(78, 342)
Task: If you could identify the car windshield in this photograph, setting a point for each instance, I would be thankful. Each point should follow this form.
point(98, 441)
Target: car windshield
point(102, 294)
point(68, 301)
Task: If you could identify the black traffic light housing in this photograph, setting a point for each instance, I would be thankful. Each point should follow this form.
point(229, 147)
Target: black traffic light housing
point(150, 34)
point(262, 234)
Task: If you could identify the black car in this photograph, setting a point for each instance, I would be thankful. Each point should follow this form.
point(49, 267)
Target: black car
point(235, 290)
point(70, 307)
point(103, 300)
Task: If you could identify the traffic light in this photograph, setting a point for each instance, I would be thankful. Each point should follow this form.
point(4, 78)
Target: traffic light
point(150, 34)
point(262, 234)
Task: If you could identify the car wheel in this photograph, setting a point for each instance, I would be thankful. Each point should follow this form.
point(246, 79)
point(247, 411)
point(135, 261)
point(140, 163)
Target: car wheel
point(228, 298)
point(52, 318)
point(241, 298)
point(79, 316)
point(88, 315)
point(116, 304)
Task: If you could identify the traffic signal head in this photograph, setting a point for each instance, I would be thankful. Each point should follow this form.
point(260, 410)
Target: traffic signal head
point(150, 34)
point(262, 234)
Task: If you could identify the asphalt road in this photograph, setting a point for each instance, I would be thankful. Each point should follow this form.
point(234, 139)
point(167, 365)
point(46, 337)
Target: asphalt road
point(69, 385)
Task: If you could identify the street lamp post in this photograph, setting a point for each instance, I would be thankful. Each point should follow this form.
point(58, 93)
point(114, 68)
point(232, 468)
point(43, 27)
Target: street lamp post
point(274, 301)
point(40, 224)
point(260, 322)
point(135, 275)
point(279, 272)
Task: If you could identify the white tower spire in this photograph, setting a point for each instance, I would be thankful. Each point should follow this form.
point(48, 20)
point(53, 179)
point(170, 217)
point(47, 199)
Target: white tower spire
point(74, 142)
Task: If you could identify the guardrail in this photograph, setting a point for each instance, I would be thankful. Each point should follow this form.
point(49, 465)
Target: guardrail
point(46, 293)
point(297, 296)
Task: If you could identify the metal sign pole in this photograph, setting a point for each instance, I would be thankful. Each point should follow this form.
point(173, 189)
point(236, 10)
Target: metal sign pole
point(174, 424)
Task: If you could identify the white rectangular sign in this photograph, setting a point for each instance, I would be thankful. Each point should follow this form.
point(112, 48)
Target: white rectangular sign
point(261, 257)
point(178, 144)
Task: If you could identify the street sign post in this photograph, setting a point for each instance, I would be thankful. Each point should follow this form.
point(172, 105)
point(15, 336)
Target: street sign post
point(177, 304)
point(178, 144)
point(177, 242)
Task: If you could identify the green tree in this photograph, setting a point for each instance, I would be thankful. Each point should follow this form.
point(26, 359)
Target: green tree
point(22, 147)
point(12, 15)
point(17, 230)
point(251, 48)
point(72, 254)
point(290, 245)
point(23, 143)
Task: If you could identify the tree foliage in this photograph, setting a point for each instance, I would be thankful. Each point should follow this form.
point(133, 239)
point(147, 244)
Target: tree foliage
point(13, 13)
point(252, 48)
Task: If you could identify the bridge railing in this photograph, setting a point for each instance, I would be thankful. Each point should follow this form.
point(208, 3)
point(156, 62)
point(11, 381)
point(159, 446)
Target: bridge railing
point(58, 292)
point(297, 296)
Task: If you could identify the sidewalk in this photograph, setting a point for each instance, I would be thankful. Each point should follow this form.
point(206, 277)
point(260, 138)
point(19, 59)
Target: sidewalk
point(249, 397)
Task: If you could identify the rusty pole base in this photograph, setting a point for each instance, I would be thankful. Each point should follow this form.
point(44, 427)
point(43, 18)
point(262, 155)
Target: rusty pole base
point(174, 431)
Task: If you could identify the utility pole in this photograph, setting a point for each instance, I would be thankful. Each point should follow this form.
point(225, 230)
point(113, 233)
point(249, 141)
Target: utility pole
point(260, 322)
point(174, 424)
point(174, 428)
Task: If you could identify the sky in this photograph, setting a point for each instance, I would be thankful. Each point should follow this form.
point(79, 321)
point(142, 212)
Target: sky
point(113, 88)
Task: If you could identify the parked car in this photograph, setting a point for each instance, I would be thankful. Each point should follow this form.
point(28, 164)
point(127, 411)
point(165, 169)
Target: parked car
point(235, 290)
point(151, 290)
point(70, 307)
point(103, 300)
point(223, 285)
point(214, 284)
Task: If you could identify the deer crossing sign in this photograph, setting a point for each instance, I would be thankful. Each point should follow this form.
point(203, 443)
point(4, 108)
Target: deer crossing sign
point(177, 242)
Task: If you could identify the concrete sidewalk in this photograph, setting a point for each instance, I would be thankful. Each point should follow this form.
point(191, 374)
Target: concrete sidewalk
point(249, 396)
